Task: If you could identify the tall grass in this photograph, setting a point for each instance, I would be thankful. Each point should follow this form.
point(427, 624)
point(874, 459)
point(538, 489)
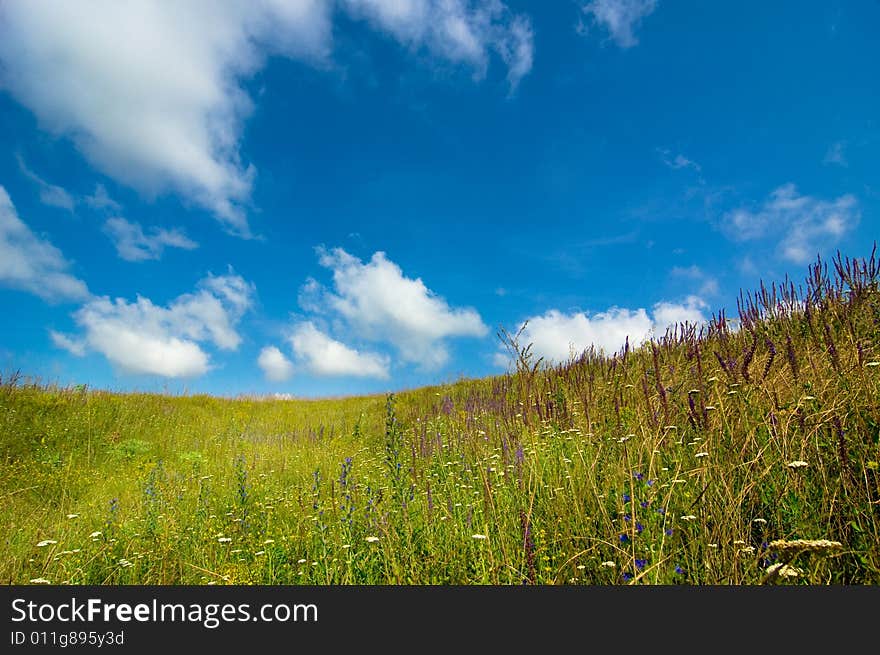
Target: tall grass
point(697, 458)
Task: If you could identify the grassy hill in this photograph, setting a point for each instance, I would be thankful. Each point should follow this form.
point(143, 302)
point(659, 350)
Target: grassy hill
point(741, 452)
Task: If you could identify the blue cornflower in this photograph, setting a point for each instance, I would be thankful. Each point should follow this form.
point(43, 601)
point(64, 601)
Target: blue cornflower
point(626, 498)
point(669, 532)
point(639, 528)
point(661, 511)
point(627, 517)
point(679, 570)
point(650, 483)
point(624, 538)
point(627, 577)
point(638, 476)
point(644, 504)
point(640, 563)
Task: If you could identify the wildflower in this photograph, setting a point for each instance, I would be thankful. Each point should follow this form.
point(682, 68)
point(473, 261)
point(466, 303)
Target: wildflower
point(626, 498)
point(650, 483)
point(797, 464)
point(479, 536)
point(669, 532)
point(40, 581)
point(260, 552)
point(759, 521)
point(679, 570)
point(300, 561)
point(46, 542)
point(784, 570)
point(688, 517)
point(644, 504)
point(640, 563)
point(608, 565)
point(372, 540)
point(639, 528)
point(624, 538)
point(627, 577)
point(224, 540)
point(581, 567)
point(701, 454)
point(791, 548)
point(73, 516)
point(95, 534)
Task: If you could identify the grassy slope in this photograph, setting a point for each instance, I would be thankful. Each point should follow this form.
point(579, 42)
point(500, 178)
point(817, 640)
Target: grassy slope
point(672, 461)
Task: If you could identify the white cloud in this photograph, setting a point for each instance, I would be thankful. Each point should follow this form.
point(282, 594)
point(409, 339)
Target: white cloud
point(65, 342)
point(558, 337)
point(456, 30)
point(135, 246)
point(803, 224)
point(276, 367)
point(141, 337)
point(381, 304)
point(50, 194)
point(708, 284)
point(152, 92)
point(668, 314)
point(835, 154)
point(679, 161)
point(32, 264)
point(620, 18)
point(324, 356)
point(102, 200)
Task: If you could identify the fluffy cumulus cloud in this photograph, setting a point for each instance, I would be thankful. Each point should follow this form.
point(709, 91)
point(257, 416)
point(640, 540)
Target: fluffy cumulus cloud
point(379, 303)
point(133, 245)
point(620, 18)
point(559, 337)
point(165, 112)
point(142, 337)
point(802, 225)
point(275, 366)
point(32, 264)
point(321, 355)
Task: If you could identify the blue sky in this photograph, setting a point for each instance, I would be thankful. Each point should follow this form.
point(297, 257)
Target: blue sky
point(334, 197)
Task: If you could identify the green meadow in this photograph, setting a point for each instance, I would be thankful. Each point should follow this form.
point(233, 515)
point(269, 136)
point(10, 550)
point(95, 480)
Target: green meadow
point(741, 452)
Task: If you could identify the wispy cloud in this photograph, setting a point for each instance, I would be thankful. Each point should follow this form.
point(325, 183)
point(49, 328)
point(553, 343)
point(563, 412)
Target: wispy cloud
point(33, 264)
point(836, 155)
point(708, 285)
point(803, 225)
point(619, 18)
point(100, 199)
point(50, 194)
point(678, 161)
point(133, 245)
